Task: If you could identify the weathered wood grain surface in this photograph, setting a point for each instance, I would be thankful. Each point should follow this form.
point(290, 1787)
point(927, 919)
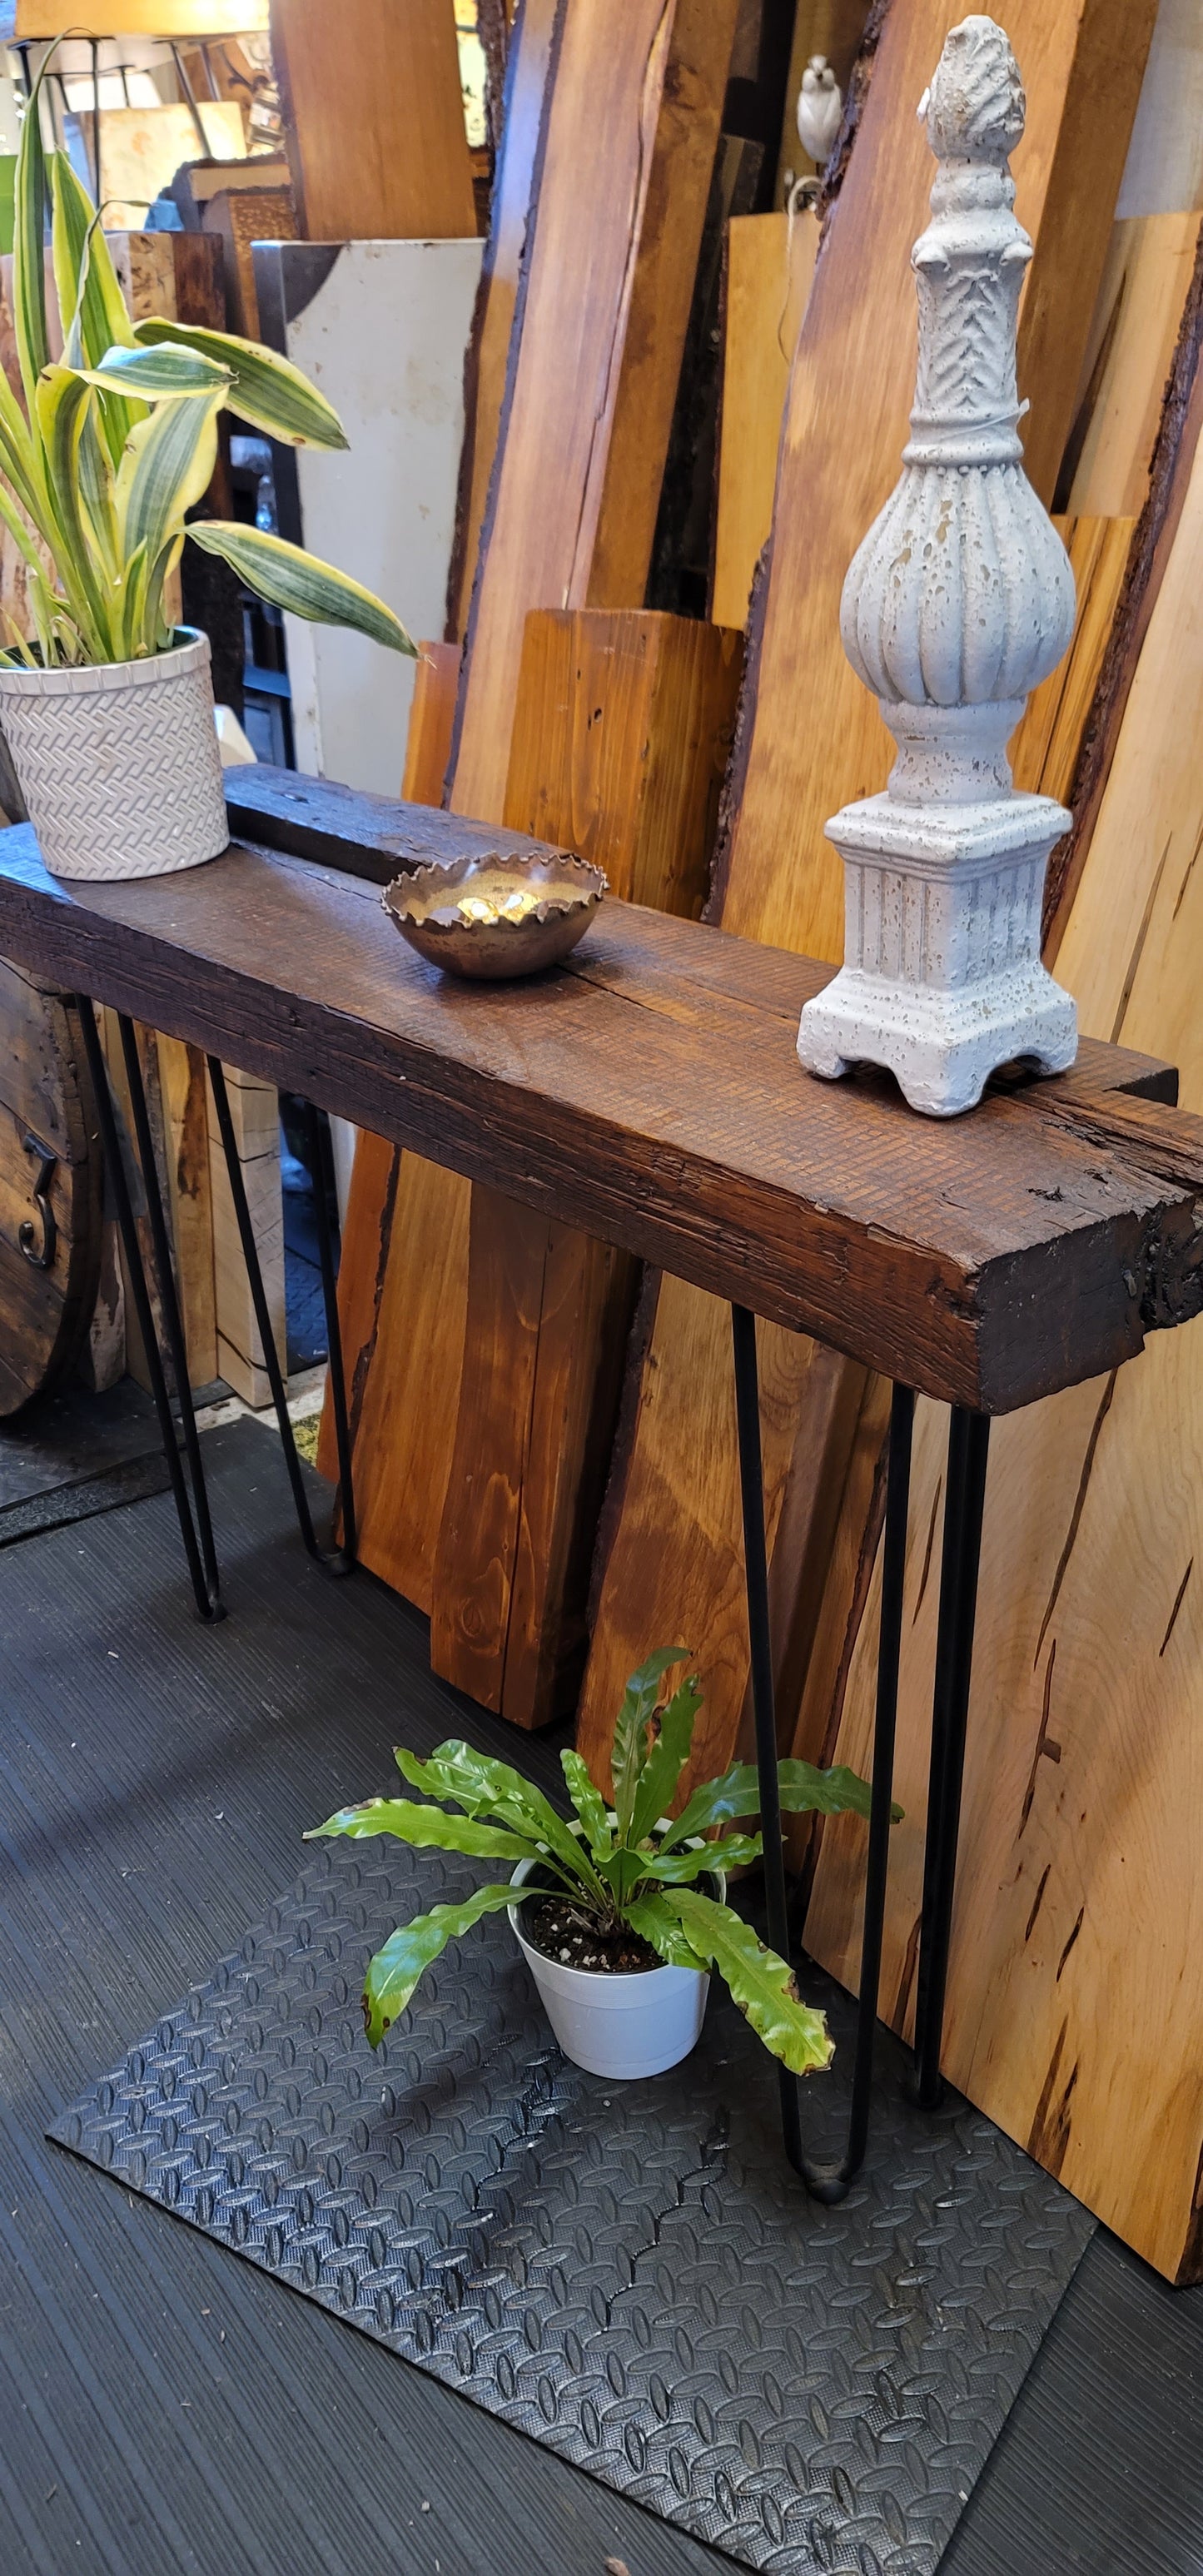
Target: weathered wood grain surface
point(988, 1260)
point(46, 1136)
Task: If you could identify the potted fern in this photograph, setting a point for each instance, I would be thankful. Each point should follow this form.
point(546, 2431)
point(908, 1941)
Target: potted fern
point(620, 1914)
point(108, 710)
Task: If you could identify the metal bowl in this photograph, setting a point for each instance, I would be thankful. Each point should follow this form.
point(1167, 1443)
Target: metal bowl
point(492, 918)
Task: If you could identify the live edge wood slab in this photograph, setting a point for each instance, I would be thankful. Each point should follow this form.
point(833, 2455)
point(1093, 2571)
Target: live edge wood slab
point(649, 1093)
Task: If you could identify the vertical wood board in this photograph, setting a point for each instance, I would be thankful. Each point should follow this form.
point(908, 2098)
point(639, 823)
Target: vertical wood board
point(373, 119)
point(770, 263)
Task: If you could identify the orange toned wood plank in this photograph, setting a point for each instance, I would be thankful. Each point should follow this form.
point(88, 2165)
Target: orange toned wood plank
point(431, 717)
point(624, 727)
point(373, 119)
point(164, 18)
point(671, 1531)
point(631, 131)
point(770, 262)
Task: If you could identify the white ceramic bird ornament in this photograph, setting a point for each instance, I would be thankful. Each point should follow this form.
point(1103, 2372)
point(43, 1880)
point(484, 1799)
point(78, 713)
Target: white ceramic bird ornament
point(820, 109)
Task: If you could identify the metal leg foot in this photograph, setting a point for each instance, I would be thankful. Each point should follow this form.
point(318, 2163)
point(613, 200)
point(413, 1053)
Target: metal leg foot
point(964, 1500)
point(202, 1562)
point(335, 1560)
point(826, 2180)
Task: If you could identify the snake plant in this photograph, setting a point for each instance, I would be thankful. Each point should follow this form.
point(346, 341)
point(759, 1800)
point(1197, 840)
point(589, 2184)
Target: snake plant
point(115, 442)
point(621, 1865)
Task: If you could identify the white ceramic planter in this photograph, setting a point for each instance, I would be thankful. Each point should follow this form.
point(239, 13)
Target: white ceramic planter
point(119, 763)
point(623, 2027)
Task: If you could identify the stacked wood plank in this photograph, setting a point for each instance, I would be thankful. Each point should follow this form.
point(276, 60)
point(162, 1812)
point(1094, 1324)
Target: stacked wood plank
point(624, 165)
point(810, 740)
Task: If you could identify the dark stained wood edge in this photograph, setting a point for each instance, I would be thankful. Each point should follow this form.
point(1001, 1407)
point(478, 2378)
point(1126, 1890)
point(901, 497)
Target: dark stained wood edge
point(469, 620)
point(457, 606)
point(854, 105)
point(731, 794)
point(376, 838)
point(1023, 1323)
point(1152, 541)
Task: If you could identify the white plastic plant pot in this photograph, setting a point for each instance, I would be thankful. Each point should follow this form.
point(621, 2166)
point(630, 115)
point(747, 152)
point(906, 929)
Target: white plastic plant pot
point(621, 2026)
point(118, 762)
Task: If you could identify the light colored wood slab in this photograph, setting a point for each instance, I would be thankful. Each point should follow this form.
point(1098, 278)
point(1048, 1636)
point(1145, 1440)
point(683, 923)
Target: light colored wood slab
point(1045, 752)
point(373, 119)
point(1076, 1990)
point(770, 262)
point(1163, 174)
point(1148, 272)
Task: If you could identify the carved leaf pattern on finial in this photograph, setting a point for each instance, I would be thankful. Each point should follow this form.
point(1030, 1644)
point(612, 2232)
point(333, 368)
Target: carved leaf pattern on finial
point(961, 593)
point(967, 343)
point(975, 106)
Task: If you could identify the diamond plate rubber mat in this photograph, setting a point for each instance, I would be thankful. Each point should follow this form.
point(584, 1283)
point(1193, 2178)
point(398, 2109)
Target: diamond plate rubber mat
point(628, 2273)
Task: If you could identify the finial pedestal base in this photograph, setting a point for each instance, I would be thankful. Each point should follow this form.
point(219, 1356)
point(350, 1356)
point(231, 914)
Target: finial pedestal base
point(942, 981)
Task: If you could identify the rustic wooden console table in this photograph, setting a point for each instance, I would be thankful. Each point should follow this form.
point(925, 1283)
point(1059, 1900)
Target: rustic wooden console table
point(649, 1093)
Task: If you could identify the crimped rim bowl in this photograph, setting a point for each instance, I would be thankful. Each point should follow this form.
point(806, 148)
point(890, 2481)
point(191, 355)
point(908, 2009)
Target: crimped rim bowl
point(426, 907)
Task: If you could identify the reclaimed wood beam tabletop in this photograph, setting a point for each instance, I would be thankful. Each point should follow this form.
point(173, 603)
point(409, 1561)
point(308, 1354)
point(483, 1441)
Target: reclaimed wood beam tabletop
point(649, 1092)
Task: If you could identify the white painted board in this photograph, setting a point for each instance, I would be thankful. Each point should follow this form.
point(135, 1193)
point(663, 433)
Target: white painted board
point(384, 335)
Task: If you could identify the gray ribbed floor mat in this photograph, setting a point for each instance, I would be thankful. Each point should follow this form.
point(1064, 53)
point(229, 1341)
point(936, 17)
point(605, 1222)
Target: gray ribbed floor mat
point(628, 2273)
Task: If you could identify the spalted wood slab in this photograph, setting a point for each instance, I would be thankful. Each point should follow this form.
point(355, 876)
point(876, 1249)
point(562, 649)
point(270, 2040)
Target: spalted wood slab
point(50, 1189)
point(649, 1093)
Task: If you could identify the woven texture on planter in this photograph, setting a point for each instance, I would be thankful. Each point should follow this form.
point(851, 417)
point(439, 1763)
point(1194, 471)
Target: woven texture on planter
point(118, 763)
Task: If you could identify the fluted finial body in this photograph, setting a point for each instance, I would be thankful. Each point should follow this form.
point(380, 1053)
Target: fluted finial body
point(962, 594)
point(957, 603)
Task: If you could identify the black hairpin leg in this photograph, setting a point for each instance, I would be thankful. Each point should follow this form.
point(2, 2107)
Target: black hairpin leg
point(826, 2180)
point(339, 1560)
point(964, 1499)
point(200, 1553)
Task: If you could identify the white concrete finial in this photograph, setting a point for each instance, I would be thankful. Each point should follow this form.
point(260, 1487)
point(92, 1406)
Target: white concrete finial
point(957, 603)
point(820, 109)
